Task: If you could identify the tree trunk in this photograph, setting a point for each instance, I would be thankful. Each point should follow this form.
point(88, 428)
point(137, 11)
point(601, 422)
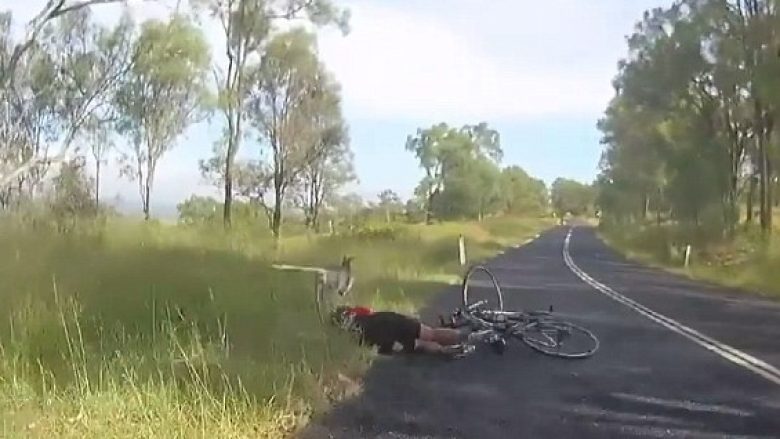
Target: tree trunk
point(97, 185)
point(750, 197)
point(276, 218)
point(429, 208)
point(146, 195)
point(765, 190)
point(19, 193)
point(276, 222)
point(769, 195)
point(228, 206)
point(315, 218)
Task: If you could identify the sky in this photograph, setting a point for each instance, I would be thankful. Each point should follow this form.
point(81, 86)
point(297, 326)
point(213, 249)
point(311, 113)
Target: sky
point(539, 72)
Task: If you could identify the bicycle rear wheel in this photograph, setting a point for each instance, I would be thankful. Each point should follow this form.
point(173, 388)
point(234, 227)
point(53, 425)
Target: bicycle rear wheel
point(560, 339)
point(469, 301)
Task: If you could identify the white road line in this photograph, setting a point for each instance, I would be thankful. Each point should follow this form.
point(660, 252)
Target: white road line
point(730, 353)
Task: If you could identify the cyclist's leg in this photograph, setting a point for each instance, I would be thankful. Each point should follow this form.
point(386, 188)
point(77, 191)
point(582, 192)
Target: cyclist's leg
point(428, 347)
point(440, 336)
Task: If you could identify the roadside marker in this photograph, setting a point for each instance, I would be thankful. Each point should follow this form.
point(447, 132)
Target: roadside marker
point(461, 250)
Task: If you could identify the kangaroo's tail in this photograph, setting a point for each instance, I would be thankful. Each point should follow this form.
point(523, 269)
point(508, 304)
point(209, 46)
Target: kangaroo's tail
point(298, 268)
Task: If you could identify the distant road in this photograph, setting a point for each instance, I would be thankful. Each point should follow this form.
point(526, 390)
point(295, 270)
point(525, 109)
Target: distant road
point(678, 359)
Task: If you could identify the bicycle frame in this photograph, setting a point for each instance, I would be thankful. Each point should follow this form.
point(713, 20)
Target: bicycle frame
point(515, 323)
point(538, 329)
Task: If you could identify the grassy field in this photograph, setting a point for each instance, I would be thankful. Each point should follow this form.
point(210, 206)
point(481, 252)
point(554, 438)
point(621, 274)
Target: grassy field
point(148, 330)
point(746, 263)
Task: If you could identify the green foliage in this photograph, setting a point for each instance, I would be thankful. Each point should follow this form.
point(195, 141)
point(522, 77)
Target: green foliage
point(414, 211)
point(247, 26)
point(523, 194)
point(198, 210)
point(377, 232)
point(571, 197)
point(689, 135)
point(164, 93)
point(390, 203)
point(463, 178)
point(295, 108)
point(207, 211)
point(470, 189)
point(61, 75)
point(72, 195)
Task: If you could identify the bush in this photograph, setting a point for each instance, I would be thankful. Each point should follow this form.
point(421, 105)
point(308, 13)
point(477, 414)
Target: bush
point(72, 196)
point(378, 232)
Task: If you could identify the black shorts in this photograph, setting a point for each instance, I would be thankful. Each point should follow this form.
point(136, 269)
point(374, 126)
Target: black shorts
point(384, 329)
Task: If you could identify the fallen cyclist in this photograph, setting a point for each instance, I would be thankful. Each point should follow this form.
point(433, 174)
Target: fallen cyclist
point(385, 329)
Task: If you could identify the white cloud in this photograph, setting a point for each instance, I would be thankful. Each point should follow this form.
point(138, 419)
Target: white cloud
point(396, 64)
point(425, 63)
point(428, 60)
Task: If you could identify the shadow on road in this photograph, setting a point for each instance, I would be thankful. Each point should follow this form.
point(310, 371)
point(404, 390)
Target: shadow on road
point(645, 381)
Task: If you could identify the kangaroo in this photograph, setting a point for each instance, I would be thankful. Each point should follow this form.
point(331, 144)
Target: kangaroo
point(339, 279)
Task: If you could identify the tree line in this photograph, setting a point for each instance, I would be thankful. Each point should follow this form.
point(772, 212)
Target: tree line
point(74, 88)
point(690, 135)
point(464, 178)
point(71, 85)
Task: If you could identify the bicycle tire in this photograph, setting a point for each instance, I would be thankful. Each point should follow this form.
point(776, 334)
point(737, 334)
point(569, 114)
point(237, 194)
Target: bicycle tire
point(554, 348)
point(465, 287)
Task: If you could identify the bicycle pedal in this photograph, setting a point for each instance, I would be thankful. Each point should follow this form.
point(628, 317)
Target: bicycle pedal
point(499, 346)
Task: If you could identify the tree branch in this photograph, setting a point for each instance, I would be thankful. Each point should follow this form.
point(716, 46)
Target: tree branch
point(292, 12)
point(53, 9)
point(6, 179)
point(76, 6)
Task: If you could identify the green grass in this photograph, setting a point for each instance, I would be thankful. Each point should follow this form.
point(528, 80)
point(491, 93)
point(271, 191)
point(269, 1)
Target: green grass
point(745, 262)
point(162, 331)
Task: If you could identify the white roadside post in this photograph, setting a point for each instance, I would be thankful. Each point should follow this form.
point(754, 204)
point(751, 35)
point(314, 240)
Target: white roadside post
point(461, 250)
point(687, 255)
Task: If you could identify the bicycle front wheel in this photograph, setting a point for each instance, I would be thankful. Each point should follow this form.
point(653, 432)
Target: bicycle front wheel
point(494, 302)
point(560, 339)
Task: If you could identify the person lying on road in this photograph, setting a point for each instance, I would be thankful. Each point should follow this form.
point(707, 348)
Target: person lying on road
point(385, 329)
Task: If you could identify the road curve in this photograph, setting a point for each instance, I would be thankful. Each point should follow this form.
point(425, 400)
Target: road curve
point(677, 359)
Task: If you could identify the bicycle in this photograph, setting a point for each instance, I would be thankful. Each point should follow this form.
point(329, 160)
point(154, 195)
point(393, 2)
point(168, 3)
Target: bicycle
point(540, 330)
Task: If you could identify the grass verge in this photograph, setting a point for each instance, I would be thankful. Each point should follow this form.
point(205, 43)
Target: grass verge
point(164, 331)
point(745, 263)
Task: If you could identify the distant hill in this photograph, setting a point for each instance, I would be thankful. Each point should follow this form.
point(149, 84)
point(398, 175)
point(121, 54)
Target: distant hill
point(161, 211)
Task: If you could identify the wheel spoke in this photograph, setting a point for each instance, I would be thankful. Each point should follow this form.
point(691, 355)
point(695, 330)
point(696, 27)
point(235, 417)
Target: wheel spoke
point(469, 301)
point(561, 339)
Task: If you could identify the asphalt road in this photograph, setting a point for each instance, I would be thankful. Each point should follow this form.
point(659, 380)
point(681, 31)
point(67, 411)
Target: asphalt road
point(678, 359)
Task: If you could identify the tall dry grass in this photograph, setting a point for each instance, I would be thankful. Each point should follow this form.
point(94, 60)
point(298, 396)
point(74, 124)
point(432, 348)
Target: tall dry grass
point(149, 330)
